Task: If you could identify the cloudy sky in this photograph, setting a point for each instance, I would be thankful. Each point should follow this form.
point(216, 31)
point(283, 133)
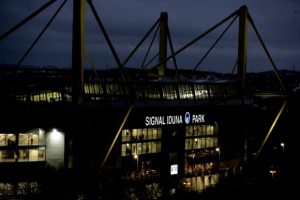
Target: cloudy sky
point(127, 21)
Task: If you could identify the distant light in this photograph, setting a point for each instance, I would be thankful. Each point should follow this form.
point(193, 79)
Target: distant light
point(282, 145)
point(135, 156)
point(174, 169)
point(272, 172)
point(217, 149)
point(186, 184)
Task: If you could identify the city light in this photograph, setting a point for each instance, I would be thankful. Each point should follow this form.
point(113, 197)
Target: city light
point(282, 145)
point(219, 154)
point(55, 135)
point(136, 157)
point(272, 172)
point(219, 158)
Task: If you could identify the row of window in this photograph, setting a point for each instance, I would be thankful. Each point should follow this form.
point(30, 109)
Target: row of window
point(137, 141)
point(129, 149)
point(199, 168)
point(201, 143)
point(44, 96)
point(23, 147)
point(133, 135)
point(23, 155)
point(203, 130)
point(166, 90)
point(24, 139)
point(153, 91)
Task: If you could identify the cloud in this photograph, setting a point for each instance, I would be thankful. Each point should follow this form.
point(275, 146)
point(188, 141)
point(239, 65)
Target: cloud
point(127, 21)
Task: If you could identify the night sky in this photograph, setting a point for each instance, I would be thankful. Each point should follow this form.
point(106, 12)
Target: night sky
point(126, 21)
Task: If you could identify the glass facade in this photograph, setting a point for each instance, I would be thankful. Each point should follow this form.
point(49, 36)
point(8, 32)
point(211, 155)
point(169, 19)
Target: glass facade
point(139, 150)
point(201, 157)
point(200, 137)
point(33, 146)
point(46, 96)
point(141, 141)
point(57, 88)
point(169, 92)
point(185, 91)
point(27, 159)
point(23, 147)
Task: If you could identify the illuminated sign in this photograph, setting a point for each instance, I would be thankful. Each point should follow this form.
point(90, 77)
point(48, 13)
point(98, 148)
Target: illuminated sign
point(161, 120)
point(174, 169)
point(187, 117)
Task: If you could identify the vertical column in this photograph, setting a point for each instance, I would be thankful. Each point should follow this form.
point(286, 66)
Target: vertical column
point(241, 72)
point(79, 182)
point(163, 42)
point(78, 50)
point(242, 46)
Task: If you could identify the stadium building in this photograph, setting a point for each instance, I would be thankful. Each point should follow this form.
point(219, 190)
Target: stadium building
point(103, 129)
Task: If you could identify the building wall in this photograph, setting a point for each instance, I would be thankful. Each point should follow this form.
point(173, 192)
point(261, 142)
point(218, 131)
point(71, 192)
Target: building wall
point(55, 143)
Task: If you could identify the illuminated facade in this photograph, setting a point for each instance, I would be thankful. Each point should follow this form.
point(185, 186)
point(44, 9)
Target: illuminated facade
point(182, 148)
point(56, 87)
point(33, 146)
point(173, 134)
point(36, 148)
point(201, 141)
point(23, 147)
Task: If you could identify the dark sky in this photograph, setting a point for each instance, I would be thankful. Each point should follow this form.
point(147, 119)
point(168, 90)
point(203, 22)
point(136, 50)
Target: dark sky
point(126, 22)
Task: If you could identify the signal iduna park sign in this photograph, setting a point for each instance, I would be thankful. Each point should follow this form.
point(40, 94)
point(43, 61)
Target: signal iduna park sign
point(186, 118)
